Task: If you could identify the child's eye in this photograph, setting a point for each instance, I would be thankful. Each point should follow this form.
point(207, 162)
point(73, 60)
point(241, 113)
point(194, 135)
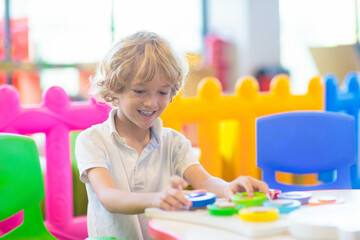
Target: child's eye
point(138, 91)
point(164, 93)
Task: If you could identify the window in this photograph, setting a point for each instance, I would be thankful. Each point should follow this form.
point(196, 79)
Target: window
point(64, 33)
point(312, 23)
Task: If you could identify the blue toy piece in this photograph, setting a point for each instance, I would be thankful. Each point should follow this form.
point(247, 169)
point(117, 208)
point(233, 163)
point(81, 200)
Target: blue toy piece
point(284, 206)
point(201, 199)
point(305, 142)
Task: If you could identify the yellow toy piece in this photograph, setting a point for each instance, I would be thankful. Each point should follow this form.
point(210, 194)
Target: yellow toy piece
point(259, 214)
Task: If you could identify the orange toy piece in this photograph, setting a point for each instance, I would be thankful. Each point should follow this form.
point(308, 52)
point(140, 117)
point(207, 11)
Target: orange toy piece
point(325, 200)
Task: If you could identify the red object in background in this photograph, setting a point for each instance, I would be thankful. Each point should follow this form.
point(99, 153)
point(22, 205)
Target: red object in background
point(19, 39)
point(84, 84)
point(264, 82)
point(216, 56)
point(2, 78)
point(264, 75)
point(28, 85)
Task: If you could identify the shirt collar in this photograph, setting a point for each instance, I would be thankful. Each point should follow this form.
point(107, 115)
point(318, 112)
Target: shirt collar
point(111, 121)
point(155, 128)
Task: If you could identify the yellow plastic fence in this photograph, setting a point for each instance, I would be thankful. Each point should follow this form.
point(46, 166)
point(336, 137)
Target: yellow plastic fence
point(210, 109)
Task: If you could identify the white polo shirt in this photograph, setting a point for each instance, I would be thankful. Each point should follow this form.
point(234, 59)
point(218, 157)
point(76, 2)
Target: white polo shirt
point(168, 153)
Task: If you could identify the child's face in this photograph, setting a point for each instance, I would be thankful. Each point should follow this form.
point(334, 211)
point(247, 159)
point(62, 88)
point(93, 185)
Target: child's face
point(141, 103)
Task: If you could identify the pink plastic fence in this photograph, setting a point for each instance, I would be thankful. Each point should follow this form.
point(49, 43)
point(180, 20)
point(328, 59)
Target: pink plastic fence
point(56, 116)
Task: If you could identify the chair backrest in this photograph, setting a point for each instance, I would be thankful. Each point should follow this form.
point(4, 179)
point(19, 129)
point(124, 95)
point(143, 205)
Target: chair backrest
point(21, 186)
point(21, 183)
point(305, 142)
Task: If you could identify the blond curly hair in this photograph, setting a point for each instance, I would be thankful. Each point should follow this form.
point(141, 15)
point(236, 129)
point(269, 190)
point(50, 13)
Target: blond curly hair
point(139, 56)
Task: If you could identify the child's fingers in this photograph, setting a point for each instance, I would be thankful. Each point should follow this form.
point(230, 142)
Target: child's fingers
point(245, 182)
point(180, 197)
point(248, 184)
point(177, 199)
point(178, 182)
point(194, 191)
point(166, 206)
point(174, 202)
point(228, 193)
point(260, 185)
point(264, 188)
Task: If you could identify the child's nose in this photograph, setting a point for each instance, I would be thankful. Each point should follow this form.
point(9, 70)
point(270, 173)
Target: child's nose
point(150, 101)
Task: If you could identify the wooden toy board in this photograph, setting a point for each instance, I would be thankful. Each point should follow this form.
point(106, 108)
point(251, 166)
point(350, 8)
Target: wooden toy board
point(228, 223)
point(328, 222)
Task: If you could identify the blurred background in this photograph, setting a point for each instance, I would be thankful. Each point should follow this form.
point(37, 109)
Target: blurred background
point(59, 42)
point(46, 43)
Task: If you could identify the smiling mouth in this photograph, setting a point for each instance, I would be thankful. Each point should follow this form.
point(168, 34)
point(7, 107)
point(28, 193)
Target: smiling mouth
point(146, 113)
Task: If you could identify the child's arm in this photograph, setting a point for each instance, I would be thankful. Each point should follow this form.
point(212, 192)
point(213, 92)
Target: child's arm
point(117, 201)
point(199, 178)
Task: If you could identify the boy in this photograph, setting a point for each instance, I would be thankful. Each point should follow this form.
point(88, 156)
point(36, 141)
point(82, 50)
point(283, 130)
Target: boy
point(131, 162)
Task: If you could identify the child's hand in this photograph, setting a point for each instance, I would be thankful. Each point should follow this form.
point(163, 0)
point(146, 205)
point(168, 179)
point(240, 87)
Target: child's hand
point(248, 184)
point(172, 197)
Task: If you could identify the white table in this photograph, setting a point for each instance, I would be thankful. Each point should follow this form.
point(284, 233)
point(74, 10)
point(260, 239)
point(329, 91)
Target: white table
point(166, 226)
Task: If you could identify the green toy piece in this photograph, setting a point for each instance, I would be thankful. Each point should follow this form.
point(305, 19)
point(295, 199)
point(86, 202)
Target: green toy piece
point(224, 211)
point(244, 199)
point(21, 186)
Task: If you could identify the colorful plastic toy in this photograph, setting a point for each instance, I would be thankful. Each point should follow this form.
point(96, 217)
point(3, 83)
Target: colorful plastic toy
point(56, 116)
point(243, 198)
point(210, 108)
point(222, 207)
point(302, 197)
point(274, 193)
point(201, 199)
point(323, 200)
point(283, 205)
point(21, 187)
point(259, 214)
point(344, 98)
point(306, 142)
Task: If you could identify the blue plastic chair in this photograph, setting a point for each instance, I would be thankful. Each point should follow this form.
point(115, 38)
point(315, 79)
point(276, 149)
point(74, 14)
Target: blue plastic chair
point(306, 142)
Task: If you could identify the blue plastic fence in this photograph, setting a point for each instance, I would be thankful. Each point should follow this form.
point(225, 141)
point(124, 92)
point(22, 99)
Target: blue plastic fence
point(345, 99)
